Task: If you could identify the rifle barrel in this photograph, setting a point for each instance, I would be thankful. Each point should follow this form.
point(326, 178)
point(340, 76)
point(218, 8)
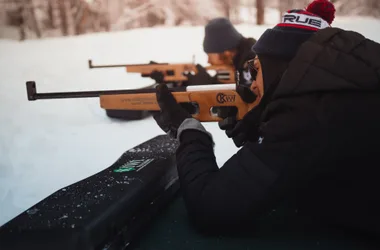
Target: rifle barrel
point(33, 95)
point(91, 66)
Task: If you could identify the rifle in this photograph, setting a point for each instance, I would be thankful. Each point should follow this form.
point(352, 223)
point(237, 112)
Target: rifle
point(202, 101)
point(172, 72)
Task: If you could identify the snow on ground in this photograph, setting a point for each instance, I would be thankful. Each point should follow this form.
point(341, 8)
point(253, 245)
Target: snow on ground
point(48, 144)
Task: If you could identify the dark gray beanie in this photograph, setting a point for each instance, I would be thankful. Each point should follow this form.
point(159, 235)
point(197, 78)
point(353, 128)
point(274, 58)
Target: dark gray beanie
point(220, 35)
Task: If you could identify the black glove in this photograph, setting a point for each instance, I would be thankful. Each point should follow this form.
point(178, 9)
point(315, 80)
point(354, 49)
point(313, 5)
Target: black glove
point(202, 77)
point(245, 93)
point(171, 115)
point(243, 130)
point(238, 131)
point(157, 76)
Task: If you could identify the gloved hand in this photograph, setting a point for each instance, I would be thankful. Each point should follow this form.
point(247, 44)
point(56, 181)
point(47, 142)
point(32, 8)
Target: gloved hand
point(202, 77)
point(171, 115)
point(243, 130)
point(157, 76)
point(246, 93)
point(238, 131)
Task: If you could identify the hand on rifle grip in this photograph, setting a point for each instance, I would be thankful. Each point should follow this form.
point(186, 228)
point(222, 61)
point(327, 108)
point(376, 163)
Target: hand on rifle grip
point(244, 130)
point(157, 76)
point(246, 93)
point(171, 114)
point(235, 130)
point(232, 127)
point(202, 77)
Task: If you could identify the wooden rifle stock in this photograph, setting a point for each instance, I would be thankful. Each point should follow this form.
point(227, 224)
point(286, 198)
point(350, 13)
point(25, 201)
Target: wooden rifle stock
point(173, 72)
point(205, 98)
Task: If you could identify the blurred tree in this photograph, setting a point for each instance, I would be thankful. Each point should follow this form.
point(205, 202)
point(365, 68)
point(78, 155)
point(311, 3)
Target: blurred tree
point(358, 7)
point(343, 7)
point(32, 14)
point(89, 17)
point(198, 12)
point(260, 11)
point(21, 22)
point(230, 9)
point(227, 6)
point(21, 13)
point(45, 17)
point(285, 5)
point(63, 11)
point(52, 22)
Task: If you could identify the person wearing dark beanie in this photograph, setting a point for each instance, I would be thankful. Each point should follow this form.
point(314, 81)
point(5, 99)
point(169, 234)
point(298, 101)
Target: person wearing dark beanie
point(220, 36)
point(224, 45)
point(312, 142)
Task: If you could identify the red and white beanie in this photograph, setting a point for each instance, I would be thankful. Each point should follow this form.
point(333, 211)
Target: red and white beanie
point(296, 27)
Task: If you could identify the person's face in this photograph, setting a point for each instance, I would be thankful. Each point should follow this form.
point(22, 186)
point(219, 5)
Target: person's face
point(225, 58)
point(255, 69)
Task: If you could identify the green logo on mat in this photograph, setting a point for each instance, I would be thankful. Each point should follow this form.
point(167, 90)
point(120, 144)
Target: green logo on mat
point(133, 165)
point(124, 169)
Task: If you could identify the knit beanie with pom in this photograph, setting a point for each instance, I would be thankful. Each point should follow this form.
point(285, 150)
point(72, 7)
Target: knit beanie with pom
point(296, 27)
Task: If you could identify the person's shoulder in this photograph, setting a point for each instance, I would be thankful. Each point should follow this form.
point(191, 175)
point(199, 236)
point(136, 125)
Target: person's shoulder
point(348, 42)
point(335, 34)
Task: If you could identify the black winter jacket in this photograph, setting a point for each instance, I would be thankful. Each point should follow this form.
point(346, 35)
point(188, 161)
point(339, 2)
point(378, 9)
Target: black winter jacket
point(319, 144)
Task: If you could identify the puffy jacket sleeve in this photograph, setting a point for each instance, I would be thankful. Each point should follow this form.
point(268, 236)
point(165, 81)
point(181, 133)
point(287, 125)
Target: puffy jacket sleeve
point(223, 198)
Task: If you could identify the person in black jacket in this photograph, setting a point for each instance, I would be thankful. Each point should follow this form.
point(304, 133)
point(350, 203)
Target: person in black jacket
point(314, 138)
point(224, 45)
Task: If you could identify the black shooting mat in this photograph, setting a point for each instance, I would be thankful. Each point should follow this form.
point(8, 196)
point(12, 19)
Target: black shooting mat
point(92, 202)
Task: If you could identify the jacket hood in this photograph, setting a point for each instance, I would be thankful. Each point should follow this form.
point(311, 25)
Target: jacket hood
point(331, 60)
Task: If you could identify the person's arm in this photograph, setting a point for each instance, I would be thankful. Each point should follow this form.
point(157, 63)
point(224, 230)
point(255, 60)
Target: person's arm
point(218, 199)
point(225, 198)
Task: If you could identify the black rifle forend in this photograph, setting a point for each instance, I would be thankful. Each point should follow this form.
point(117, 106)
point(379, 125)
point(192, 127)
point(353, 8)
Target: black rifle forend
point(91, 66)
point(31, 89)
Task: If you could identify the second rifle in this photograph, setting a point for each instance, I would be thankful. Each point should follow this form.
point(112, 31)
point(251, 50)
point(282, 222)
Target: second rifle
point(172, 72)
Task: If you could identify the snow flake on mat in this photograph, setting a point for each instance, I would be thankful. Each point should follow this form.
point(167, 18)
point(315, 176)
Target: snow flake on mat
point(153, 149)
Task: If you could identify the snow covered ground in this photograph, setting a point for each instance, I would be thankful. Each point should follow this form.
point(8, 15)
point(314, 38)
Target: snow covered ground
point(48, 144)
